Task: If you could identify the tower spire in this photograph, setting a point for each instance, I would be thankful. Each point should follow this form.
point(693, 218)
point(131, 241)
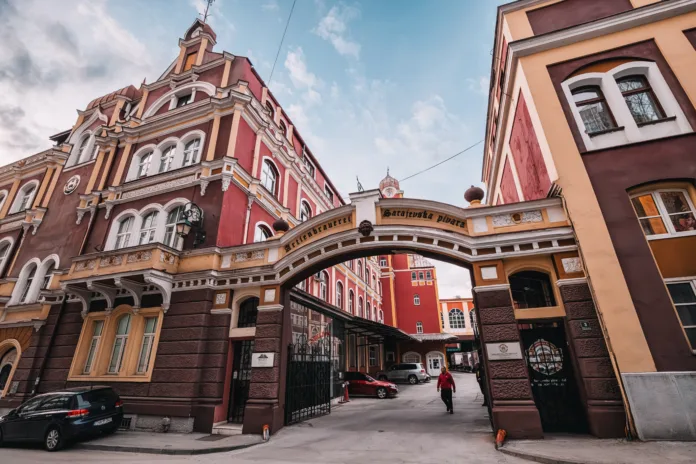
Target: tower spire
point(206, 13)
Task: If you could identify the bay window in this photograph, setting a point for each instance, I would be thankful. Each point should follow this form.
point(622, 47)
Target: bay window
point(119, 347)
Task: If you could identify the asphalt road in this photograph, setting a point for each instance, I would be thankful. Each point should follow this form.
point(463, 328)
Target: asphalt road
point(411, 428)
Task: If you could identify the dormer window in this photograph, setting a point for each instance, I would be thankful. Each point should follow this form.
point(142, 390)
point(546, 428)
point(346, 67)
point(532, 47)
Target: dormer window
point(271, 111)
point(283, 129)
point(25, 197)
point(184, 100)
point(83, 148)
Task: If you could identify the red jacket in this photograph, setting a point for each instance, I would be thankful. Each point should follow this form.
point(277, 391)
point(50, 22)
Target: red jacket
point(446, 382)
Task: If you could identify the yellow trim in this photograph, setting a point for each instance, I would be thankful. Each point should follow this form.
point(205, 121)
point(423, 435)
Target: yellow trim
point(102, 357)
point(42, 188)
point(117, 111)
point(201, 51)
point(95, 172)
point(212, 143)
point(232, 143)
point(12, 343)
point(10, 198)
point(107, 167)
point(143, 101)
point(52, 186)
point(180, 59)
point(122, 165)
point(225, 76)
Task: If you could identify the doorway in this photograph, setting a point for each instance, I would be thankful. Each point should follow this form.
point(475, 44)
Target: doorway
point(435, 360)
point(552, 379)
point(241, 377)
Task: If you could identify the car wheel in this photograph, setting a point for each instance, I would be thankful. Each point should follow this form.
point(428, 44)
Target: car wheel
point(53, 440)
point(381, 393)
point(412, 379)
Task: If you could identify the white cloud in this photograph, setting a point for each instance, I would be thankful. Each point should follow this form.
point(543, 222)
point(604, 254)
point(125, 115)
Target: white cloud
point(272, 5)
point(55, 61)
point(452, 280)
point(480, 85)
point(216, 17)
point(303, 79)
point(334, 28)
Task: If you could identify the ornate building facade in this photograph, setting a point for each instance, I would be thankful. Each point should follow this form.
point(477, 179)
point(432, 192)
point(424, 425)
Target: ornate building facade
point(595, 101)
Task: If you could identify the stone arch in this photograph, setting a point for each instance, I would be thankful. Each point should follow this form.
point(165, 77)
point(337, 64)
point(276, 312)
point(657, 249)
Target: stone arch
point(6, 373)
point(239, 297)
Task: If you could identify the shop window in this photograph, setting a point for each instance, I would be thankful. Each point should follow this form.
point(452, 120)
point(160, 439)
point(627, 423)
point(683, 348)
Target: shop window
point(683, 296)
point(664, 213)
point(373, 356)
point(457, 320)
point(248, 312)
point(419, 327)
point(118, 345)
point(416, 300)
point(531, 289)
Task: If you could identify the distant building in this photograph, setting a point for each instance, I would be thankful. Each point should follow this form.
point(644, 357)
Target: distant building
point(456, 318)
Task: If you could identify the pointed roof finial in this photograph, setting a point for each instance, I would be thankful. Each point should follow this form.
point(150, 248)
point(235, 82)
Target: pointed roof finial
point(387, 170)
point(206, 13)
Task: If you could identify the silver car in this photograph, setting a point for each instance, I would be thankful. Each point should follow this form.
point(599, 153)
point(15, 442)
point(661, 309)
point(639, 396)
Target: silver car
point(412, 373)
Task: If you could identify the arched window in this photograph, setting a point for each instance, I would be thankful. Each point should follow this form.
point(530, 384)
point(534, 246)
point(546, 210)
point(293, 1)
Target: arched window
point(124, 232)
point(7, 362)
point(351, 301)
point(380, 288)
point(4, 255)
point(360, 269)
point(593, 109)
point(531, 289)
point(271, 111)
point(324, 286)
point(339, 294)
point(3, 197)
point(144, 165)
point(305, 211)
point(302, 285)
point(374, 279)
point(248, 312)
point(411, 357)
point(640, 99)
point(171, 239)
point(119, 347)
point(665, 212)
point(283, 128)
point(82, 150)
point(416, 299)
point(262, 233)
point(368, 310)
point(269, 177)
point(97, 329)
point(47, 276)
point(419, 327)
point(25, 197)
point(457, 320)
point(381, 316)
point(149, 331)
point(148, 229)
point(367, 278)
point(360, 307)
point(30, 279)
point(167, 158)
point(192, 151)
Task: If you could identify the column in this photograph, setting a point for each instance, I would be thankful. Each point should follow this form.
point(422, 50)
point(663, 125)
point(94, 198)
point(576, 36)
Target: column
point(511, 401)
point(601, 394)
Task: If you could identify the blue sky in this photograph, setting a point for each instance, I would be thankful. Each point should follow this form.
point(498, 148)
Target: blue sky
point(369, 84)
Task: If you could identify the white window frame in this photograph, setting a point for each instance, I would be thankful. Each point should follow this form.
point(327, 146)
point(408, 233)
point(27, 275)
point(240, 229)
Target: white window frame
point(361, 305)
point(192, 153)
point(148, 231)
point(122, 349)
point(628, 131)
point(419, 327)
point(25, 194)
point(664, 215)
point(692, 282)
point(166, 159)
point(324, 286)
point(124, 238)
point(339, 294)
point(351, 300)
point(170, 228)
point(382, 262)
point(6, 244)
point(93, 345)
point(268, 168)
point(368, 310)
point(143, 166)
point(305, 209)
point(146, 345)
point(329, 194)
point(455, 320)
point(416, 299)
point(262, 232)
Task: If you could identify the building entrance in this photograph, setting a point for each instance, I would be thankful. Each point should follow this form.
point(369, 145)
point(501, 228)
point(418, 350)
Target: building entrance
point(552, 380)
point(241, 378)
point(435, 361)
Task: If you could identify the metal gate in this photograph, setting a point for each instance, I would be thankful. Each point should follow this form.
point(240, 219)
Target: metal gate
point(241, 377)
point(551, 373)
point(308, 387)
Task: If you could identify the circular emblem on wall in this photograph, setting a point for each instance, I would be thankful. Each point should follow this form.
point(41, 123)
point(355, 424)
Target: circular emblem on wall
point(545, 357)
point(503, 348)
point(71, 184)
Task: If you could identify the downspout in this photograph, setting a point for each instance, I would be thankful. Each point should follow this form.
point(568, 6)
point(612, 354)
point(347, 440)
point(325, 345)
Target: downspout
point(630, 424)
point(250, 201)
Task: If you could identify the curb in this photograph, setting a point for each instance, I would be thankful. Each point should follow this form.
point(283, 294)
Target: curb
point(538, 458)
point(165, 451)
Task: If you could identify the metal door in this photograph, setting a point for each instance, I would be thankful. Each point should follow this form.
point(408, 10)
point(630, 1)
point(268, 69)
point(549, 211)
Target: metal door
point(241, 376)
point(551, 373)
point(308, 384)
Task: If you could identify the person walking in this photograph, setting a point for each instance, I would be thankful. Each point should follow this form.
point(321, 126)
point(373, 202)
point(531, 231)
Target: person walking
point(445, 385)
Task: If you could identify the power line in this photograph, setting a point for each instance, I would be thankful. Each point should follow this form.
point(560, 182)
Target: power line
point(270, 78)
point(441, 162)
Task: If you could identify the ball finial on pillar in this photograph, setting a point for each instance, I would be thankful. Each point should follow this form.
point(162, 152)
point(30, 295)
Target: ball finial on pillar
point(474, 195)
point(280, 226)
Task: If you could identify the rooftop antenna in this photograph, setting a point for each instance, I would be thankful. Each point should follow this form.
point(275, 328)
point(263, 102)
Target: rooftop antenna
point(206, 13)
point(360, 187)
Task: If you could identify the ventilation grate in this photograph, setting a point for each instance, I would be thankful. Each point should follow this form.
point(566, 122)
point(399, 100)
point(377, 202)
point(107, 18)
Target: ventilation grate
point(126, 423)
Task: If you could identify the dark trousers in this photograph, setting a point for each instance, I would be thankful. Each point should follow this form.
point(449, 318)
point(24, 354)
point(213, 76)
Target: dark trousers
point(446, 395)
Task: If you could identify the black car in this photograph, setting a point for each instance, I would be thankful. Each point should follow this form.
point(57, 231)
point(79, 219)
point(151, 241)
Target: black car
point(58, 417)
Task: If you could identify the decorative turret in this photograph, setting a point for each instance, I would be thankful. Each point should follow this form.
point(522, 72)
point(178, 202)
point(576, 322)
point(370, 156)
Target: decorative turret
point(390, 187)
point(474, 195)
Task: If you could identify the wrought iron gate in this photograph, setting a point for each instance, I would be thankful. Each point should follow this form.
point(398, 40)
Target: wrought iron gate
point(308, 387)
point(551, 373)
point(241, 376)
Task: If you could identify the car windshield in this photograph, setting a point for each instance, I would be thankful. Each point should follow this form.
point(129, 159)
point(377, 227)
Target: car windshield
point(369, 379)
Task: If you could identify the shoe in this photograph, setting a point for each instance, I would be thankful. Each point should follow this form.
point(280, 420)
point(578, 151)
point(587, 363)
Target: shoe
point(451, 411)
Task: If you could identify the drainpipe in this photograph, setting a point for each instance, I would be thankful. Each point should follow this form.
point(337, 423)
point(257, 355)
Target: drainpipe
point(50, 344)
point(631, 430)
point(250, 201)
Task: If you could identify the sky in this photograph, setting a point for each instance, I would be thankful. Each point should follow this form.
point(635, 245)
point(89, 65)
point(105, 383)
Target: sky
point(370, 85)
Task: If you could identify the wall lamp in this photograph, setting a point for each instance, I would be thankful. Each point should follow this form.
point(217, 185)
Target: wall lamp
point(191, 219)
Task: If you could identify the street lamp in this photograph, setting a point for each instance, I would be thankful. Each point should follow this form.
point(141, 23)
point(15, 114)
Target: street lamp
point(191, 219)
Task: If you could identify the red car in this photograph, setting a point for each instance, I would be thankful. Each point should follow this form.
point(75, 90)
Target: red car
point(360, 384)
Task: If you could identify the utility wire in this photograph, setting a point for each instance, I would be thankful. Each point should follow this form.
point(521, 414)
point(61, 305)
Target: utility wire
point(441, 162)
point(270, 78)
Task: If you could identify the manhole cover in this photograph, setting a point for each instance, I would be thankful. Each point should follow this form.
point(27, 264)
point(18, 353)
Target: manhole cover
point(212, 438)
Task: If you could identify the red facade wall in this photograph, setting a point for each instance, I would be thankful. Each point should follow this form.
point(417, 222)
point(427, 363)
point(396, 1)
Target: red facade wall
point(223, 137)
point(232, 216)
point(258, 214)
point(408, 313)
point(525, 149)
point(244, 149)
point(507, 185)
point(292, 195)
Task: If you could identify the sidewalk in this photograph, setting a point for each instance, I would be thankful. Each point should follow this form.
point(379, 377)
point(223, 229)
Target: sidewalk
point(169, 443)
point(565, 449)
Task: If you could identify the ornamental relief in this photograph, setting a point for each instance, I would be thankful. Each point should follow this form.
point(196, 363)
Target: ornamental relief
point(139, 256)
point(506, 220)
point(249, 256)
point(167, 258)
point(111, 261)
point(146, 191)
point(83, 265)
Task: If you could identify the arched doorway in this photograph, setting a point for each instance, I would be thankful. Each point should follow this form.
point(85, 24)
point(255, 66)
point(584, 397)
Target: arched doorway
point(241, 364)
point(434, 361)
point(9, 356)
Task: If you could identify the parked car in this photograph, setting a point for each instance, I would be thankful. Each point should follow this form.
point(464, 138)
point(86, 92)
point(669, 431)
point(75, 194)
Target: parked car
point(360, 384)
point(56, 418)
point(412, 373)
